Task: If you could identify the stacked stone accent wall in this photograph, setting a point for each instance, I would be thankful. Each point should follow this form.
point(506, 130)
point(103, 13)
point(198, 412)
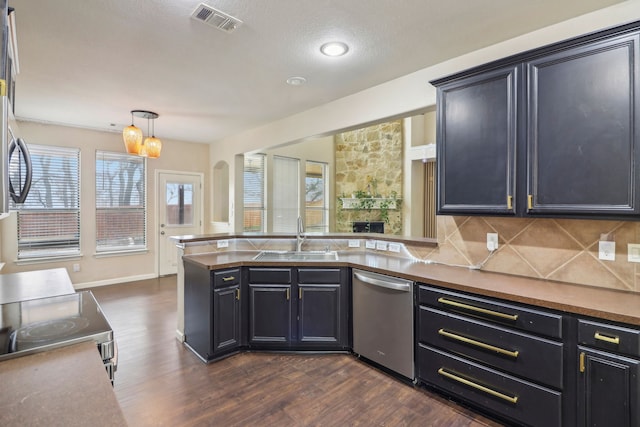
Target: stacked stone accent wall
point(370, 160)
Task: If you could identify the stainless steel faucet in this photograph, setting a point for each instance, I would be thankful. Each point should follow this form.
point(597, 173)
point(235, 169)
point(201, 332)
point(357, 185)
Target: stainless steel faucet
point(300, 236)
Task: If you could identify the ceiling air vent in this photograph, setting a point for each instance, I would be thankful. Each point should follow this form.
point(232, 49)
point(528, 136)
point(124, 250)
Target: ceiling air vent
point(215, 18)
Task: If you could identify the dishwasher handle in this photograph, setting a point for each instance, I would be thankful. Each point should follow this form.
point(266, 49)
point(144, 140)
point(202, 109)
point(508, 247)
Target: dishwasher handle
point(398, 286)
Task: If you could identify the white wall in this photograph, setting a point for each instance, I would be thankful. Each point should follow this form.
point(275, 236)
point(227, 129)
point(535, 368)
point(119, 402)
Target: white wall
point(176, 156)
point(407, 95)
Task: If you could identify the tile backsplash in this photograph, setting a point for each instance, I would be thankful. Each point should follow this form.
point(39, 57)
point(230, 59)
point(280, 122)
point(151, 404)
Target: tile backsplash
point(555, 249)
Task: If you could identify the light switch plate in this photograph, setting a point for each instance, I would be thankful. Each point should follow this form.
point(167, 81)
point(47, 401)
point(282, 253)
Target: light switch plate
point(223, 244)
point(381, 245)
point(370, 244)
point(354, 243)
point(633, 252)
point(607, 250)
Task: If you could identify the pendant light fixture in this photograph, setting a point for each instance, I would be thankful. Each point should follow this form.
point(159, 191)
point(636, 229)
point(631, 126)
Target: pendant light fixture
point(132, 135)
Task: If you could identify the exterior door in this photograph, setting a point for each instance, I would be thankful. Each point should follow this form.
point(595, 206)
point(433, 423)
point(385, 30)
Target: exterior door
point(179, 213)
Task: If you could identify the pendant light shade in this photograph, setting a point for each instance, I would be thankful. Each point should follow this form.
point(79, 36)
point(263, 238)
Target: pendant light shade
point(133, 138)
point(152, 147)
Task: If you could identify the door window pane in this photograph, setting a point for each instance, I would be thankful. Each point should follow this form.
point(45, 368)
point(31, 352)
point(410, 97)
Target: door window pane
point(179, 204)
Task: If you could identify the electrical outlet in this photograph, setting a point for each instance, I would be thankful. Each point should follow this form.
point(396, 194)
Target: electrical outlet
point(607, 250)
point(394, 247)
point(223, 244)
point(633, 252)
point(354, 243)
point(76, 268)
point(381, 246)
point(370, 244)
point(492, 241)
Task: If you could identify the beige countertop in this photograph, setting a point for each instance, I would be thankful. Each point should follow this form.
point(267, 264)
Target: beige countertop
point(603, 303)
point(34, 284)
point(64, 387)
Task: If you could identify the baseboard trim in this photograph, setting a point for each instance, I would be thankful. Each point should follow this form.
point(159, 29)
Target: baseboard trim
point(114, 281)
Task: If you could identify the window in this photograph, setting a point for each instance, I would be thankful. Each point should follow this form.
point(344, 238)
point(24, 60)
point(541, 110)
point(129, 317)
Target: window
point(49, 219)
point(286, 199)
point(120, 202)
point(316, 206)
point(254, 193)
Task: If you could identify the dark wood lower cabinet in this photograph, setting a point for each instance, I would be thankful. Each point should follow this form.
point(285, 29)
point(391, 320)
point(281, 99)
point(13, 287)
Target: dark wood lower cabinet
point(298, 308)
point(269, 314)
point(226, 318)
point(213, 311)
point(608, 389)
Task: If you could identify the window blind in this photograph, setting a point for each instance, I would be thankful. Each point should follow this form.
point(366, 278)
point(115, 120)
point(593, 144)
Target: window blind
point(120, 202)
point(316, 203)
point(286, 200)
point(49, 219)
point(254, 192)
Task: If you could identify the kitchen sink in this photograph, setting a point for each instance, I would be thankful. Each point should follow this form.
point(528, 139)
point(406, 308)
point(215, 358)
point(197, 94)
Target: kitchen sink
point(297, 256)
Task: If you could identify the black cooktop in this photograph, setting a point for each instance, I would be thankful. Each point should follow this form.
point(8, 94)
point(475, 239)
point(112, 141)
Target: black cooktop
point(42, 324)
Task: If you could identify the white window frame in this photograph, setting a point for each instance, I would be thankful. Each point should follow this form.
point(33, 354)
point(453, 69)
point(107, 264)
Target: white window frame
point(120, 243)
point(60, 175)
point(262, 189)
point(324, 209)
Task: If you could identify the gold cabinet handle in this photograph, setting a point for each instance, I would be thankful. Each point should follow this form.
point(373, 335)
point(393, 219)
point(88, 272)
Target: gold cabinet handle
point(480, 344)
point(3, 88)
point(446, 301)
point(238, 294)
point(288, 294)
point(509, 202)
point(299, 293)
point(228, 278)
point(530, 201)
point(612, 340)
point(492, 392)
point(582, 357)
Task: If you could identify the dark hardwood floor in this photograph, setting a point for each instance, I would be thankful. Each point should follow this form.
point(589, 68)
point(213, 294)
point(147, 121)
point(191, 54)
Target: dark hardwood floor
point(159, 382)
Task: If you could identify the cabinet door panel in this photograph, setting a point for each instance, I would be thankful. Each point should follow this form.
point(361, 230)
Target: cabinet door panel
point(476, 143)
point(319, 310)
point(581, 136)
point(608, 390)
point(226, 318)
point(270, 314)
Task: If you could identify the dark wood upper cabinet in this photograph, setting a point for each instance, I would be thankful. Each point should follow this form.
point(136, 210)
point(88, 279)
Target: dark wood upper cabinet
point(582, 111)
point(550, 132)
point(477, 133)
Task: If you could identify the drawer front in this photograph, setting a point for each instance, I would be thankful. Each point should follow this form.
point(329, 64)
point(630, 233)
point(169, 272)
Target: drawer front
point(515, 316)
point(319, 275)
point(535, 358)
point(609, 337)
point(519, 400)
point(270, 275)
point(226, 278)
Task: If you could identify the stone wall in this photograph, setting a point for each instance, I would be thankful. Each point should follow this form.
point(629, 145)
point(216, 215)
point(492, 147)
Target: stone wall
point(369, 160)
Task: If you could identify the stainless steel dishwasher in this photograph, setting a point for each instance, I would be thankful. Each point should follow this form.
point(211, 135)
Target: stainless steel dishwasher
point(383, 320)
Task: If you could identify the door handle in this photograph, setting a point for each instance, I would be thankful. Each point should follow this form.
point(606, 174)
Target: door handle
point(162, 233)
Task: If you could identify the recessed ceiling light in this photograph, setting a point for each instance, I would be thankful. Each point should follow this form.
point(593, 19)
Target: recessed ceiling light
point(334, 48)
point(296, 81)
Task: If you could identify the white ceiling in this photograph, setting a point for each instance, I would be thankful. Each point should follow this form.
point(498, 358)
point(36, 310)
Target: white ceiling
point(88, 63)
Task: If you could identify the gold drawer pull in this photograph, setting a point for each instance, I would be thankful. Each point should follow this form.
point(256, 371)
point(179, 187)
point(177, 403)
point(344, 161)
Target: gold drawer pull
point(238, 294)
point(228, 278)
point(510, 399)
point(612, 340)
point(480, 344)
point(513, 317)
